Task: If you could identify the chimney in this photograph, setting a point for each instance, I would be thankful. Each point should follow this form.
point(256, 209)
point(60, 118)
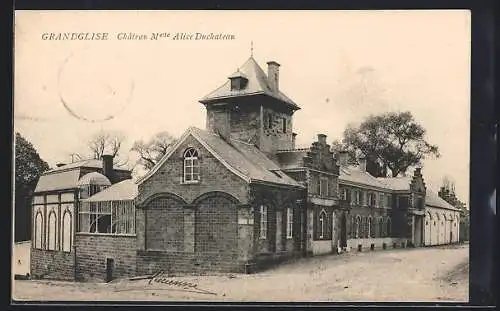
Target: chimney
point(362, 163)
point(273, 75)
point(343, 157)
point(294, 135)
point(418, 171)
point(107, 166)
point(322, 139)
point(60, 164)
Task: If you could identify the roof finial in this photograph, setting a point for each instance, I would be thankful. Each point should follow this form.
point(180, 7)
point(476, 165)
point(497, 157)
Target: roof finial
point(251, 48)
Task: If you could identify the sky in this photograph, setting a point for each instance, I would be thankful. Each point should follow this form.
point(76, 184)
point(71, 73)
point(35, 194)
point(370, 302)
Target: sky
point(338, 66)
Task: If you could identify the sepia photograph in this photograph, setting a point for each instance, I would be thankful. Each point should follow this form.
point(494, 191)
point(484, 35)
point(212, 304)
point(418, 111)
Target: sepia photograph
point(241, 156)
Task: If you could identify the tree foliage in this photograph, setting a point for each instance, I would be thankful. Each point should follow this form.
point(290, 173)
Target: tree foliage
point(393, 140)
point(150, 152)
point(29, 165)
point(28, 168)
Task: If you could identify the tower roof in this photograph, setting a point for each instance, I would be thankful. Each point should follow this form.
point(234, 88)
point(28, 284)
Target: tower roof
point(257, 84)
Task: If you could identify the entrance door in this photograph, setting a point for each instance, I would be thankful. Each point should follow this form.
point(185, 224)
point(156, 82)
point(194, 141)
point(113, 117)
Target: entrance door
point(110, 264)
point(343, 230)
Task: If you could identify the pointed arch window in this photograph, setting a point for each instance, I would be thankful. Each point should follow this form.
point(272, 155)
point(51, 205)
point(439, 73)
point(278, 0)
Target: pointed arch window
point(322, 224)
point(358, 223)
point(38, 230)
point(66, 231)
point(191, 166)
point(52, 234)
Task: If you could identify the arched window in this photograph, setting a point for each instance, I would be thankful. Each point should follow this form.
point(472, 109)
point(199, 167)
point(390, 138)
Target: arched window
point(38, 230)
point(66, 231)
point(191, 166)
point(358, 223)
point(369, 227)
point(389, 229)
point(322, 224)
point(52, 234)
point(380, 227)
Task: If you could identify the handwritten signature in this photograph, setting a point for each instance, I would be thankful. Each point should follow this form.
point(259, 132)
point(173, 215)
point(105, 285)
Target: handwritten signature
point(161, 277)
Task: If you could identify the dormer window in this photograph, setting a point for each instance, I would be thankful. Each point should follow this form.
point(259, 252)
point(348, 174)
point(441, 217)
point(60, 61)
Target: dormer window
point(191, 166)
point(238, 81)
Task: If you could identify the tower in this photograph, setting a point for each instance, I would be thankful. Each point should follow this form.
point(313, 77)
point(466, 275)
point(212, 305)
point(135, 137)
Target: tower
point(250, 107)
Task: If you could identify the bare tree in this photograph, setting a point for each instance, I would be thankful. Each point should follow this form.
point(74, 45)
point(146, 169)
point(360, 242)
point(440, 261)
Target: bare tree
point(150, 152)
point(107, 142)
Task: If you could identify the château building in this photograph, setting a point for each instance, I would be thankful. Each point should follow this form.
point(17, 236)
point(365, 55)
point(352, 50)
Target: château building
point(233, 197)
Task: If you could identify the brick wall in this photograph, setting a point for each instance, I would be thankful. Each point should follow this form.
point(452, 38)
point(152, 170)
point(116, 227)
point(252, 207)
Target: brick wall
point(214, 176)
point(149, 262)
point(92, 251)
point(216, 225)
point(52, 264)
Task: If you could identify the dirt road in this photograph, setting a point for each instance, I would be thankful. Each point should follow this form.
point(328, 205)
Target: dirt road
point(422, 274)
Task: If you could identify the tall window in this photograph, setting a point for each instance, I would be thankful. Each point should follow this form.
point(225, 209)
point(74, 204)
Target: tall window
point(343, 194)
point(52, 234)
point(66, 232)
point(323, 186)
point(289, 223)
point(387, 199)
point(357, 226)
point(191, 166)
point(380, 227)
point(372, 199)
point(269, 121)
point(357, 193)
point(263, 222)
point(381, 200)
point(322, 224)
point(389, 226)
point(283, 124)
point(369, 228)
point(38, 230)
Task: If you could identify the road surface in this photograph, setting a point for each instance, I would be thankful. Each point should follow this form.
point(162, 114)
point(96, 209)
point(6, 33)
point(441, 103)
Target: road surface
point(435, 274)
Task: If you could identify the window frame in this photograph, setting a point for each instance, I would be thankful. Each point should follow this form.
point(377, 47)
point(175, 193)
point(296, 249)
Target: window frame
point(39, 236)
point(322, 191)
point(65, 243)
point(289, 223)
point(284, 126)
point(263, 222)
point(190, 156)
point(52, 236)
point(119, 212)
point(323, 223)
point(357, 226)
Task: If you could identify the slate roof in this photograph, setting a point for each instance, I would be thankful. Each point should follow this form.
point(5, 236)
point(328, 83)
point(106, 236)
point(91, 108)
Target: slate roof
point(93, 163)
point(433, 199)
point(257, 84)
point(396, 183)
point(403, 183)
point(121, 191)
point(58, 181)
point(244, 159)
point(66, 176)
point(355, 175)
